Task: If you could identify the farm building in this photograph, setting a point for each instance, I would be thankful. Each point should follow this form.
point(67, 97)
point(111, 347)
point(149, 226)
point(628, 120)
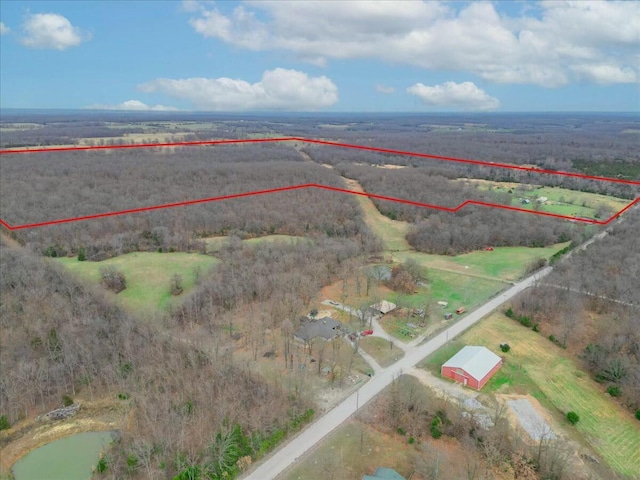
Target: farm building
point(383, 307)
point(326, 328)
point(472, 366)
point(383, 473)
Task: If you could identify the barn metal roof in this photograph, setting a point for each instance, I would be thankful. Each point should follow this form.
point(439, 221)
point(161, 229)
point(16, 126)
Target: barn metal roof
point(383, 306)
point(476, 361)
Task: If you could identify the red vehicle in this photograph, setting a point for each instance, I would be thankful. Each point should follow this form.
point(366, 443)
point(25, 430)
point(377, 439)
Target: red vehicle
point(366, 332)
point(460, 311)
point(488, 249)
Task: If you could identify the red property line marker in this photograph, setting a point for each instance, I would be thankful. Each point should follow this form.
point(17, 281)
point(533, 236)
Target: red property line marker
point(323, 187)
point(313, 185)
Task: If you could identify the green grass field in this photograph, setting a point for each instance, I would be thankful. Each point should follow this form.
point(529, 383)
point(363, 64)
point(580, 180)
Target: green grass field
point(214, 244)
point(504, 263)
point(380, 350)
point(507, 263)
point(559, 200)
point(535, 365)
point(148, 276)
point(458, 290)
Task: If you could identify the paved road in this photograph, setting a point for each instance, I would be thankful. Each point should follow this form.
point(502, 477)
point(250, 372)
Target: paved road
point(308, 438)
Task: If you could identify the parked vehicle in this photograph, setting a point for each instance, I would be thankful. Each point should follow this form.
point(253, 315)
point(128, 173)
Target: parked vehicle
point(461, 310)
point(366, 332)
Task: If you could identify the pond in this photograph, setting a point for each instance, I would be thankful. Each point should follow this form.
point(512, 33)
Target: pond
point(70, 458)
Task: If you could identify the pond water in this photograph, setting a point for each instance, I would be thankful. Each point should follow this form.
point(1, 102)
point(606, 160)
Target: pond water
point(70, 458)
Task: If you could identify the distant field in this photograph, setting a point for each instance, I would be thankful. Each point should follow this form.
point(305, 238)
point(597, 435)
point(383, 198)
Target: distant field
point(506, 263)
point(150, 137)
point(148, 276)
point(559, 200)
point(214, 244)
point(535, 365)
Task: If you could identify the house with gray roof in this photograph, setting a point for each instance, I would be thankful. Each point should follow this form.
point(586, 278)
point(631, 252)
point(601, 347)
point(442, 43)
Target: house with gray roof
point(326, 328)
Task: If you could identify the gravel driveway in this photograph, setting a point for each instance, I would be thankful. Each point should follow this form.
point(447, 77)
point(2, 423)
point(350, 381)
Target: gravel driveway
point(530, 420)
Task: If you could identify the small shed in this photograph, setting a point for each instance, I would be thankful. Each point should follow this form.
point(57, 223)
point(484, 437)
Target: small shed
point(383, 307)
point(383, 473)
point(472, 366)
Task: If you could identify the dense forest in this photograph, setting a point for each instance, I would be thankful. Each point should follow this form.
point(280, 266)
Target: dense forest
point(194, 408)
point(51, 186)
point(471, 228)
point(540, 139)
point(65, 340)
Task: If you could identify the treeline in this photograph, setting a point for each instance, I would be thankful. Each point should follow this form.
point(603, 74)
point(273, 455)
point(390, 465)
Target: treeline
point(51, 186)
point(549, 140)
point(602, 280)
point(338, 155)
point(60, 134)
point(61, 340)
point(471, 228)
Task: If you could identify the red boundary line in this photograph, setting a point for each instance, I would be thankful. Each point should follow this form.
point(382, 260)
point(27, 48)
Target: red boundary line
point(315, 185)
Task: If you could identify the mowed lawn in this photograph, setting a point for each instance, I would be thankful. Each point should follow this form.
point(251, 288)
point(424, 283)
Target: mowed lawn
point(507, 263)
point(612, 431)
point(148, 276)
point(504, 263)
point(458, 290)
point(381, 351)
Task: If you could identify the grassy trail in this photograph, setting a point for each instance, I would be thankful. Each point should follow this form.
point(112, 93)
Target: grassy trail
point(504, 264)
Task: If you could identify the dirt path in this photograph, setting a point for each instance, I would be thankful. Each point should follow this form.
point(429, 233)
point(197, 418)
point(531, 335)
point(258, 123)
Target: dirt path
point(442, 387)
point(8, 241)
point(392, 232)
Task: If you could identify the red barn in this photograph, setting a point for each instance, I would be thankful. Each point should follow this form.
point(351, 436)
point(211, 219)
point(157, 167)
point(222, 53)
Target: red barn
point(472, 366)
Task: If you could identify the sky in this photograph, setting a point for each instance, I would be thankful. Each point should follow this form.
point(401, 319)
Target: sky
point(321, 56)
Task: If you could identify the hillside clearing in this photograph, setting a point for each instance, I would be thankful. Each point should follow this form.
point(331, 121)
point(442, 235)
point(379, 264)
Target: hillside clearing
point(148, 276)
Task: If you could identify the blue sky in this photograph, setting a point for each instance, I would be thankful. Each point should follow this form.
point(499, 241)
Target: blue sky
point(321, 56)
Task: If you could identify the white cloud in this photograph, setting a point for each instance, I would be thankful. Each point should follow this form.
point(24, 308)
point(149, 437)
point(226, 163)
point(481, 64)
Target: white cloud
point(50, 30)
point(279, 89)
point(537, 47)
point(4, 29)
point(465, 96)
point(385, 89)
point(135, 105)
point(606, 74)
